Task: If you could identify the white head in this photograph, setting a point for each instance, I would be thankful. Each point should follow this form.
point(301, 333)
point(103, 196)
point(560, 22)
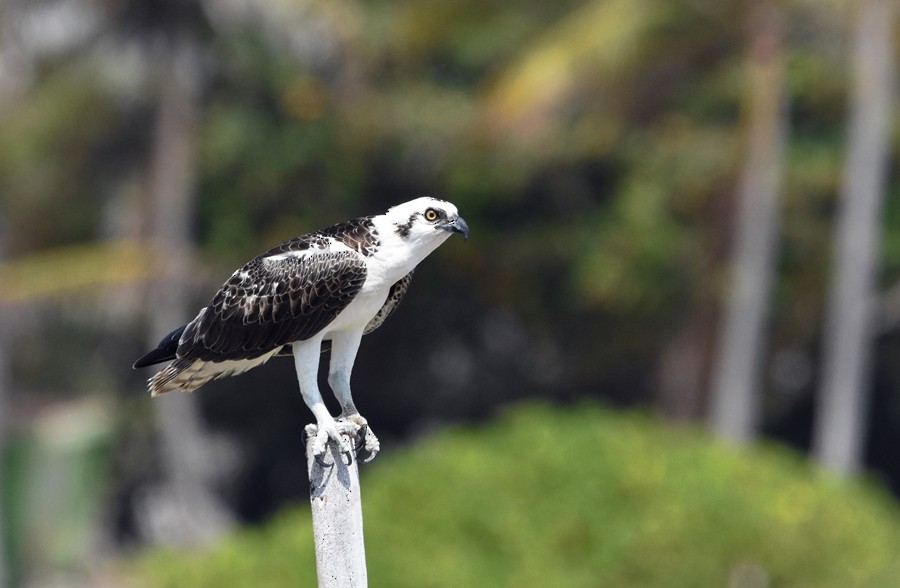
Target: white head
point(426, 219)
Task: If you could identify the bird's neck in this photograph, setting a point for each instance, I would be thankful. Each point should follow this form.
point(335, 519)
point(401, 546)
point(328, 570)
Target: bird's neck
point(398, 255)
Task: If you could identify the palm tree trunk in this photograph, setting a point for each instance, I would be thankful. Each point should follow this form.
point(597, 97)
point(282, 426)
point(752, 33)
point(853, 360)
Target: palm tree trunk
point(186, 510)
point(735, 380)
point(839, 433)
point(6, 348)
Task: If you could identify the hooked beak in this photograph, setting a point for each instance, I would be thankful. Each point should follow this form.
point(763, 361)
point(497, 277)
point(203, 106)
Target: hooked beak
point(457, 225)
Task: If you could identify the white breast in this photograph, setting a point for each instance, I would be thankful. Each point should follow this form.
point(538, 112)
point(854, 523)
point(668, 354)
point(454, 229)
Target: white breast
point(394, 258)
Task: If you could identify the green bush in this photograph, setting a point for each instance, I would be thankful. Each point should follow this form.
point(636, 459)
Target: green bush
point(579, 497)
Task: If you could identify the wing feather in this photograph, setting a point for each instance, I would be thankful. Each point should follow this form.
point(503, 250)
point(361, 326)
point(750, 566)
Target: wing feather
point(395, 295)
point(273, 301)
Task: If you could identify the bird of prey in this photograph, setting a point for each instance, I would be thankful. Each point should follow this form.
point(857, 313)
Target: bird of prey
point(336, 284)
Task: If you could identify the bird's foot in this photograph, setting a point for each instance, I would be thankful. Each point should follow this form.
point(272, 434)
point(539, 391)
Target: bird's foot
point(319, 434)
point(367, 444)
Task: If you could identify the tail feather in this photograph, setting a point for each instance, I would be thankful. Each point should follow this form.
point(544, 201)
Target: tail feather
point(187, 375)
point(172, 377)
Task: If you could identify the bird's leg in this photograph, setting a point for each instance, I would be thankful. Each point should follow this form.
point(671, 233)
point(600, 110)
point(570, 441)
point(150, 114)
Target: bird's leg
point(306, 360)
point(343, 353)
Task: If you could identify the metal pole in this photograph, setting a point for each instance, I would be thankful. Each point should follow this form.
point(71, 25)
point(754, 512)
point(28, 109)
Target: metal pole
point(334, 497)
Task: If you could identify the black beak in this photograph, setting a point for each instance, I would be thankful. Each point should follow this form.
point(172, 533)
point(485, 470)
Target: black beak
point(457, 225)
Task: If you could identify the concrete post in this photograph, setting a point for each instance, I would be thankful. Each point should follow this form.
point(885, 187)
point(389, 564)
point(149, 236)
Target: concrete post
point(334, 497)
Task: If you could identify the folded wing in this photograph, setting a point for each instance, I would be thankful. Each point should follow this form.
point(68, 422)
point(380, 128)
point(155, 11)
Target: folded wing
point(272, 301)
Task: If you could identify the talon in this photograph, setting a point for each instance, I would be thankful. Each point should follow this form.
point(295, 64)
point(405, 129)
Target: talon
point(361, 438)
point(316, 438)
point(370, 448)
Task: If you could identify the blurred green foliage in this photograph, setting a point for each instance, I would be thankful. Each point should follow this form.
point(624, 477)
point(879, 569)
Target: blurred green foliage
point(581, 496)
point(53, 490)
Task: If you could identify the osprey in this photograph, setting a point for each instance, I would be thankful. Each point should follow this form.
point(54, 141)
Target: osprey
point(336, 284)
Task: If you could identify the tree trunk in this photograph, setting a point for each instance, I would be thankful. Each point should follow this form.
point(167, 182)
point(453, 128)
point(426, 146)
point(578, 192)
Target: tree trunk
point(839, 433)
point(735, 380)
point(684, 364)
point(185, 510)
point(6, 347)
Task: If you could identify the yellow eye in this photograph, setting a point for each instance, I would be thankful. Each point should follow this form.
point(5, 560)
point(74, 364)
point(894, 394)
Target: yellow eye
point(431, 215)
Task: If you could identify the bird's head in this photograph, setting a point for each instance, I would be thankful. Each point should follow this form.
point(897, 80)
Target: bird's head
point(427, 218)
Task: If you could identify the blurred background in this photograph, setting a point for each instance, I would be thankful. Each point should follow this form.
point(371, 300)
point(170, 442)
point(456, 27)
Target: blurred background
point(685, 244)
